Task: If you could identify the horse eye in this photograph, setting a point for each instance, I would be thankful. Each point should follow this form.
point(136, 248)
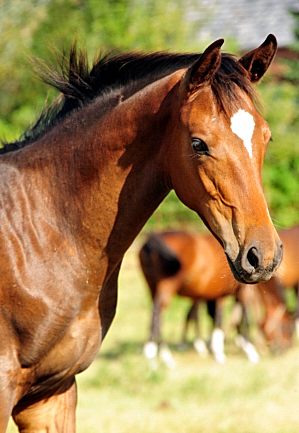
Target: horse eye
point(200, 147)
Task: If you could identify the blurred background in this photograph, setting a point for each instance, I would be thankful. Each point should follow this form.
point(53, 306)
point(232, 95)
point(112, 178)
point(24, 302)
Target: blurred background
point(119, 393)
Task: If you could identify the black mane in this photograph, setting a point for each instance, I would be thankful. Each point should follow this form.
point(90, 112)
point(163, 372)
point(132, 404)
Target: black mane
point(128, 73)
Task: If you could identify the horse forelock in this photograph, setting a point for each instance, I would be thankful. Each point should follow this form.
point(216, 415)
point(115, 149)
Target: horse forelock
point(124, 73)
point(226, 84)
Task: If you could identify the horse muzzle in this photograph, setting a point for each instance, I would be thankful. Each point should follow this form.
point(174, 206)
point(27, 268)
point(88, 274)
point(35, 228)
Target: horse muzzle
point(251, 265)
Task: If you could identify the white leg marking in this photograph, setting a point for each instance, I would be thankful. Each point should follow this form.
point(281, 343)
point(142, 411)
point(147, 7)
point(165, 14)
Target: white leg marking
point(201, 347)
point(217, 345)
point(166, 356)
point(242, 124)
point(248, 348)
point(150, 350)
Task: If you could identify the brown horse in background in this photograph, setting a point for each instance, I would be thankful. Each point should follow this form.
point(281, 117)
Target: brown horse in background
point(78, 187)
point(277, 324)
point(194, 265)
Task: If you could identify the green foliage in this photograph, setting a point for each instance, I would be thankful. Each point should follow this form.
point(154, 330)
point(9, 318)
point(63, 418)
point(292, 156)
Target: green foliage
point(292, 73)
point(281, 170)
point(142, 24)
point(36, 27)
point(281, 167)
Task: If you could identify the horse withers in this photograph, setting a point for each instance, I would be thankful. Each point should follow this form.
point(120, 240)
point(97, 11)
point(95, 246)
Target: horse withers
point(78, 187)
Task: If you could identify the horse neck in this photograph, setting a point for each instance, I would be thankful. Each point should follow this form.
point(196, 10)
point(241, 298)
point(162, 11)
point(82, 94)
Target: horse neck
point(111, 171)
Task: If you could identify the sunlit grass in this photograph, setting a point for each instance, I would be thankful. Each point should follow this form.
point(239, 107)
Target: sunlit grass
point(120, 394)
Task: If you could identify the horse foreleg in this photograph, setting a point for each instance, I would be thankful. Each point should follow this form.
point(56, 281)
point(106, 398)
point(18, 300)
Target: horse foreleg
point(192, 316)
point(155, 346)
point(151, 346)
point(217, 337)
point(54, 414)
point(242, 338)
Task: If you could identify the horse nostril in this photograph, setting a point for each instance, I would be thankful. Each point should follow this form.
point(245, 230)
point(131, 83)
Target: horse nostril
point(253, 257)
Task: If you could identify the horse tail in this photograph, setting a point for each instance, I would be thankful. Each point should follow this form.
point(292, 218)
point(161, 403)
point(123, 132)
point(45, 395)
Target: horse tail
point(158, 259)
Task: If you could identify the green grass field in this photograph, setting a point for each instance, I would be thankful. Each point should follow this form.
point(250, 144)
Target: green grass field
point(120, 394)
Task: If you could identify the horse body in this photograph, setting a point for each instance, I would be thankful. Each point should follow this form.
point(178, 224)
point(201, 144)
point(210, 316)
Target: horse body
point(204, 272)
point(191, 265)
point(74, 196)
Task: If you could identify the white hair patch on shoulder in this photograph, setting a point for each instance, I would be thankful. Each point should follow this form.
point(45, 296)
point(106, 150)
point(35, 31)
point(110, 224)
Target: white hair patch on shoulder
point(242, 124)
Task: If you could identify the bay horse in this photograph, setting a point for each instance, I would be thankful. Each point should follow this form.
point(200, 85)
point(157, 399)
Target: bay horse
point(79, 185)
point(193, 265)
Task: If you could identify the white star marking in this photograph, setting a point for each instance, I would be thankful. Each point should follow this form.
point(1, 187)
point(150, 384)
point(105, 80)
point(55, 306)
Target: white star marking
point(242, 124)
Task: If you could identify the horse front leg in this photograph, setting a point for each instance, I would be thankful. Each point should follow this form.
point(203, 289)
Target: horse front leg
point(54, 414)
point(151, 347)
point(215, 310)
point(155, 346)
point(242, 339)
point(192, 316)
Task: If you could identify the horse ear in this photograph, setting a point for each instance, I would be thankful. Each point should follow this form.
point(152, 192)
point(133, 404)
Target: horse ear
point(204, 68)
point(257, 61)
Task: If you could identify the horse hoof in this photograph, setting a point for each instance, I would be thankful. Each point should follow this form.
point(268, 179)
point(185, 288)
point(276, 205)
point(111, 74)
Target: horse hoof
point(248, 348)
point(220, 358)
point(201, 347)
point(166, 356)
point(150, 350)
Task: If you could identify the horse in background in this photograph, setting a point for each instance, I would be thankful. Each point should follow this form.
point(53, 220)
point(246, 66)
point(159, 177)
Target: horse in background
point(78, 187)
point(276, 323)
point(194, 266)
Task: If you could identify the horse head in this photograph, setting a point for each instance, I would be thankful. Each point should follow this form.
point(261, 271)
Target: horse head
point(217, 170)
